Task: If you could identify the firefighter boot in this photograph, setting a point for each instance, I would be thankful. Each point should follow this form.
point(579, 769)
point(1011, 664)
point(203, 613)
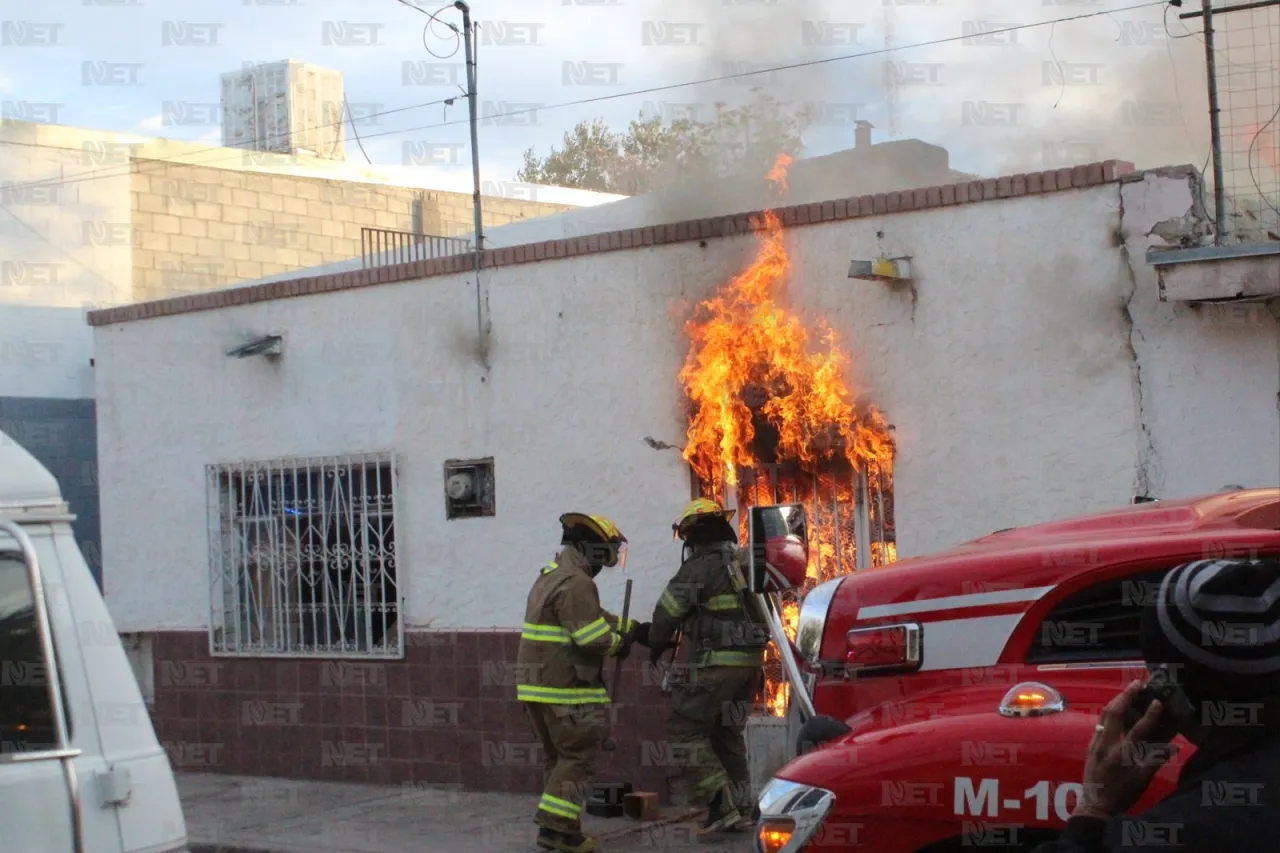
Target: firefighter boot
point(566, 842)
point(722, 816)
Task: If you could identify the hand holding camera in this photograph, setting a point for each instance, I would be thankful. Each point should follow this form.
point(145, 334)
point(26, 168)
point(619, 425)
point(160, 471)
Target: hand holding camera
point(1130, 746)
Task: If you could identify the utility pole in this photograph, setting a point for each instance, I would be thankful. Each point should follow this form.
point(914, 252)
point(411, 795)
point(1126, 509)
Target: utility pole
point(1215, 126)
point(468, 36)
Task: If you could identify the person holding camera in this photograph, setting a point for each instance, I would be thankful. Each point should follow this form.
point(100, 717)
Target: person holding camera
point(1212, 643)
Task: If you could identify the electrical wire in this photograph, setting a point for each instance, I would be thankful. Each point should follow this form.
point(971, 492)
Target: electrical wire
point(433, 18)
point(809, 63)
point(619, 95)
point(1189, 32)
point(355, 132)
point(1249, 160)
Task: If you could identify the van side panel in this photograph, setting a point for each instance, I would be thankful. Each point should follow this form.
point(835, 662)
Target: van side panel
point(100, 827)
point(152, 819)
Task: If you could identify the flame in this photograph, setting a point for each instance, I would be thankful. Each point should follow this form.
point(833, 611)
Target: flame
point(742, 340)
point(746, 347)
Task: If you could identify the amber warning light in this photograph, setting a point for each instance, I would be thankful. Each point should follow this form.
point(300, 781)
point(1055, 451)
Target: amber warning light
point(775, 833)
point(1031, 699)
point(883, 647)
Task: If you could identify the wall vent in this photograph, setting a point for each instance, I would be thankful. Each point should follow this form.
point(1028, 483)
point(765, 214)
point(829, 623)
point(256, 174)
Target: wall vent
point(469, 488)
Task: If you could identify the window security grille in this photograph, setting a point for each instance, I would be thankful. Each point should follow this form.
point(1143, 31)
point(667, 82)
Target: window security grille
point(303, 558)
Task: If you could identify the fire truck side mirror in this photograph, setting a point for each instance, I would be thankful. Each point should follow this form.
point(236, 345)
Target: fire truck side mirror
point(779, 548)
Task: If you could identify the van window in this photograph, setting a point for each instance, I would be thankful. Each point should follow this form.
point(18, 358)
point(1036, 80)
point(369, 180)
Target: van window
point(1098, 623)
point(26, 711)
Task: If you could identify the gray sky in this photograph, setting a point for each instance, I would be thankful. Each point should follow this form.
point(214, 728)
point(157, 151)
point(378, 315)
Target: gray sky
point(1122, 87)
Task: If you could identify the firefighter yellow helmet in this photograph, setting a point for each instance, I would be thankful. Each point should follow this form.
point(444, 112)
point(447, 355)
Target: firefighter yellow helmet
point(696, 510)
point(605, 529)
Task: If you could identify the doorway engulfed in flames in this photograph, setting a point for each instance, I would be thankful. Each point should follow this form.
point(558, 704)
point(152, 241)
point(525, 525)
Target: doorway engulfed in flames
point(772, 420)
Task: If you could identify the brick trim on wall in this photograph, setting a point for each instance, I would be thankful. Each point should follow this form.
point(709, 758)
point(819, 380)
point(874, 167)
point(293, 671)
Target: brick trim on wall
point(903, 201)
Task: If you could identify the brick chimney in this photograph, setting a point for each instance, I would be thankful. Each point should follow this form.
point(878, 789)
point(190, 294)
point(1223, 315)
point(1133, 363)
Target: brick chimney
point(862, 134)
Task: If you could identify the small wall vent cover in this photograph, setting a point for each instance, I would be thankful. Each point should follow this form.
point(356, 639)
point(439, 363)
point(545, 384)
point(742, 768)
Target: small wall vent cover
point(469, 488)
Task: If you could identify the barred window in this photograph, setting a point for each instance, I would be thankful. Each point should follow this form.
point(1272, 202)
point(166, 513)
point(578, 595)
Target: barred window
point(303, 558)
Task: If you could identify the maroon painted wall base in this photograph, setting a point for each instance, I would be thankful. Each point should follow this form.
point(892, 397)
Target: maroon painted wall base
point(445, 714)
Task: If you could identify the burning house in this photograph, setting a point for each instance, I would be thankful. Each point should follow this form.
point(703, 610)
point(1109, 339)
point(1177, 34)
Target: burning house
point(333, 491)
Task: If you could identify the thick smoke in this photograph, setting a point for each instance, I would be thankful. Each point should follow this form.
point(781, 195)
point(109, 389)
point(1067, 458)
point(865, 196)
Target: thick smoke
point(1127, 85)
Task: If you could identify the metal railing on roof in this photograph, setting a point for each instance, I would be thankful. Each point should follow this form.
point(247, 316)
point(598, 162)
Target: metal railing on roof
point(380, 247)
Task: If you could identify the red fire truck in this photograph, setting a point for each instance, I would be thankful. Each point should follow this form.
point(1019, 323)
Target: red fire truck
point(955, 694)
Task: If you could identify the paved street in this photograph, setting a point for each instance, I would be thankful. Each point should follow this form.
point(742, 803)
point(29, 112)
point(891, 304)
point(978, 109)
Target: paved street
point(237, 814)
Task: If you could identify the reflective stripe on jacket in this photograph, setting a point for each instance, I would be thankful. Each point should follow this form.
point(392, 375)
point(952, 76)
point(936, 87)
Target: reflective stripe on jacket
point(566, 636)
point(705, 602)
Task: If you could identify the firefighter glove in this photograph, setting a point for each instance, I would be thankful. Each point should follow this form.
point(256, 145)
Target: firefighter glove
point(625, 649)
point(640, 634)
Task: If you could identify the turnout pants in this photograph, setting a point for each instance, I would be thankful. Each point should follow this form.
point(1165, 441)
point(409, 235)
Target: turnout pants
point(706, 726)
point(570, 736)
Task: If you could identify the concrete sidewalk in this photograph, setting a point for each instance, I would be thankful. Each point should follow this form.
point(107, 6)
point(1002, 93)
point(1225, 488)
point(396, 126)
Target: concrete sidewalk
point(242, 814)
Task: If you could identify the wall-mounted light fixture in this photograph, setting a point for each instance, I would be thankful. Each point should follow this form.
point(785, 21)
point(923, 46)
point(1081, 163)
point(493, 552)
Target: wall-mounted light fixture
point(270, 346)
point(882, 269)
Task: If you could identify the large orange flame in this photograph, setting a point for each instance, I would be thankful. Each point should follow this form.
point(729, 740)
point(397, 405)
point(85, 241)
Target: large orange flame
point(743, 342)
point(742, 339)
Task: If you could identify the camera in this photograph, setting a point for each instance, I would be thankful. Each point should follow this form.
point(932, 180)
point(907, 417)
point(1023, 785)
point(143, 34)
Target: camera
point(1176, 708)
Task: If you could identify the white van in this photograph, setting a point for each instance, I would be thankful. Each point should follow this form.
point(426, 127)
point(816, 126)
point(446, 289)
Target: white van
point(81, 770)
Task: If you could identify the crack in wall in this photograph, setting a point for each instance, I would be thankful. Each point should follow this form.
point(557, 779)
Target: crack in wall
point(1146, 451)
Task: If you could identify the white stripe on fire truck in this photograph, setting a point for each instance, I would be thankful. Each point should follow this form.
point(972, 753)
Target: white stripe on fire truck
point(953, 602)
point(966, 643)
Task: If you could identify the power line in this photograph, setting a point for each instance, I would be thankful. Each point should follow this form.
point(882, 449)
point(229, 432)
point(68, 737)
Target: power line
point(650, 89)
point(807, 64)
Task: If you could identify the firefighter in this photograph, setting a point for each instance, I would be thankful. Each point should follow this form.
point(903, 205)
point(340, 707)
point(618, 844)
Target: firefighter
point(725, 636)
point(564, 642)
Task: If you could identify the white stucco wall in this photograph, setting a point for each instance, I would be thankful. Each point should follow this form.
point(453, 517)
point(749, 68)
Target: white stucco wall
point(1010, 379)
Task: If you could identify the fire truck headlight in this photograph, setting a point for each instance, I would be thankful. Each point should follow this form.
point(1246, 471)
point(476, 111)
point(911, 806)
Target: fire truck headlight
point(790, 815)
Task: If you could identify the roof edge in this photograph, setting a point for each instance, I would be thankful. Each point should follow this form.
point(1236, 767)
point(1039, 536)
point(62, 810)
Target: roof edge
point(728, 225)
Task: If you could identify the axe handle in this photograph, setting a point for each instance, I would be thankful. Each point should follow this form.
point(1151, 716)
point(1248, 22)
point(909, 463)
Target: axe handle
point(617, 664)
